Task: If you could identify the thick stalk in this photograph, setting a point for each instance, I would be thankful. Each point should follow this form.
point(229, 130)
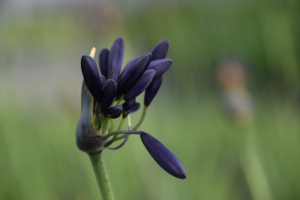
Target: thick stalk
point(101, 176)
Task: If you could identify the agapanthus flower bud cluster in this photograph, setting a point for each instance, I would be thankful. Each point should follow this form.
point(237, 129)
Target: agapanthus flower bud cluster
point(109, 93)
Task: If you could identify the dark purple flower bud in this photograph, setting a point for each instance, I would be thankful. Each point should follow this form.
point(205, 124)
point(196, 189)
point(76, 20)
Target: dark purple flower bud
point(163, 156)
point(91, 77)
point(132, 73)
point(135, 107)
point(115, 59)
point(141, 85)
point(130, 107)
point(85, 128)
point(127, 107)
point(114, 112)
point(129, 64)
point(160, 50)
point(103, 61)
point(109, 91)
point(152, 90)
point(160, 66)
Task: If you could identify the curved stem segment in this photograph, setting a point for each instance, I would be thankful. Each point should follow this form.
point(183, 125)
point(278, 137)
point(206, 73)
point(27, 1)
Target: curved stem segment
point(115, 136)
point(121, 132)
point(101, 176)
point(141, 119)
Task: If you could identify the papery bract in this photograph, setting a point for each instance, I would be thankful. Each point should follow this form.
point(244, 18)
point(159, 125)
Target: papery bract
point(85, 127)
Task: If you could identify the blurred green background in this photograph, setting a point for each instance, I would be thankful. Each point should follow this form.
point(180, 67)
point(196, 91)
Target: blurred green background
point(41, 44)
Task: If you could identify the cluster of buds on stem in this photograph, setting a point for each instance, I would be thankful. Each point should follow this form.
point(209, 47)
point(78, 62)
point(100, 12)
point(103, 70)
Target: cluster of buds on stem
point(112, 94)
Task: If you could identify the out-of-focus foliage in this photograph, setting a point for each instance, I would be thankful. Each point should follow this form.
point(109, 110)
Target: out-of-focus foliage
point(40, 81)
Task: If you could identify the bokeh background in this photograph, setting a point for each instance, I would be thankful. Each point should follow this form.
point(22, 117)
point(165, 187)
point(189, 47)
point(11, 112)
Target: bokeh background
point(228, 107)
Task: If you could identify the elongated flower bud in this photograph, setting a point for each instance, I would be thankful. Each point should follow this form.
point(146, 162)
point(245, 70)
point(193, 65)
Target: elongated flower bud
point(115, 59)
point(85, 127)
point(152, 90)
point(103, 61)
point(141, 85)
point(160, 50)
point(163, 156)
point(135, 107)
point(91, 77)
point(127, 107)
point(109, 91)
point(160, 66)
point(114, 112)
point(132, 73)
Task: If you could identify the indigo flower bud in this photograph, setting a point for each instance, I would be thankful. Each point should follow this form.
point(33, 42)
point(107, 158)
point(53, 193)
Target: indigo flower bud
point(115, 59)
point(130, 107)
point(114, 112)
point(160, 50)
point(127, 107)
point(91, 77)
point(132, 73)
point(103, 61)
point(163, 156)
point(141, 85)
point(135, 107)
point(109, 91)
point(160, 66)
point(85, 127)
point(152, 90)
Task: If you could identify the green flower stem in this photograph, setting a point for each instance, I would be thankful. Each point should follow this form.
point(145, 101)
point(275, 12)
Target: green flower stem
point(252, 166)
point(101, 176)
point(121, 132)
point(141, 119)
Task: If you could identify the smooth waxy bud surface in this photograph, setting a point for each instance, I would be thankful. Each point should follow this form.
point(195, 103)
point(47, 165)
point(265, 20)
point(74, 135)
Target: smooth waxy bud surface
point(91, 77)
point(163, 156)
point(152, 90)
point(114, 112)
point(160, 66)
point(115, 59)
point(109, 91)
point(132, 73)
point(103, 61)
point(141, 85)
point(160, 50)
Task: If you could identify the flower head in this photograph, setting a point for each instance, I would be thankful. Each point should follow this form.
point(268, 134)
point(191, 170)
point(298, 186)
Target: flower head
point(109, 95)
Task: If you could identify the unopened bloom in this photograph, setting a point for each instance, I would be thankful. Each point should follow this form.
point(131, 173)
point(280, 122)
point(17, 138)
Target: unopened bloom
point(160, 64)
point(163, 156)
